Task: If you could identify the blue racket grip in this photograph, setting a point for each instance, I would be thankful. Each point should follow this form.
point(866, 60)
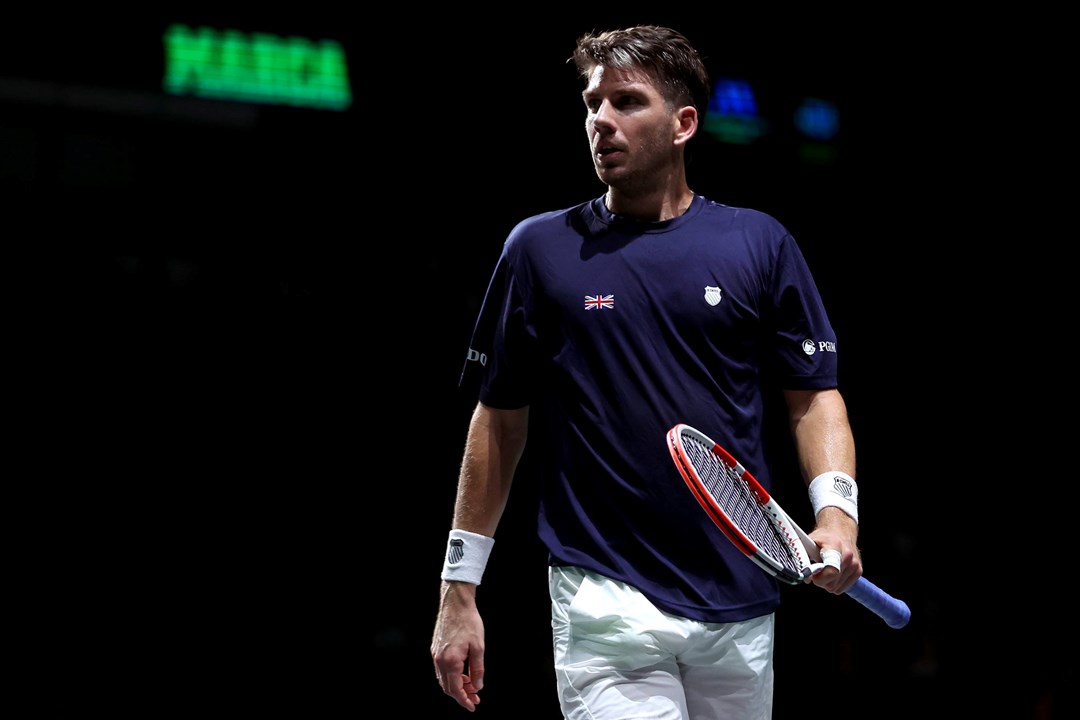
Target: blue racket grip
point(894, 612)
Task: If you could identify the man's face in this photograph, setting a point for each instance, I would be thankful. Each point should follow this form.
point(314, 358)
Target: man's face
point(631, 129)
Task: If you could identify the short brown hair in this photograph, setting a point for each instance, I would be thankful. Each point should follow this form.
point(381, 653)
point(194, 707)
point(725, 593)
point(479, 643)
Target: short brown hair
point(665, 54)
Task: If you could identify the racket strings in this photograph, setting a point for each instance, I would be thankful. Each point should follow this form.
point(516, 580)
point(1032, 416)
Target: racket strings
point(727, 487)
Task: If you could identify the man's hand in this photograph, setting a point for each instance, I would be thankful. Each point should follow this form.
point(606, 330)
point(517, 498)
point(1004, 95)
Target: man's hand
point(457, 646)
point(837, 532)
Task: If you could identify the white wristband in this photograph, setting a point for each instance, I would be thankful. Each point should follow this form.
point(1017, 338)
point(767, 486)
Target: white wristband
point(837, 489)
point(466, 556)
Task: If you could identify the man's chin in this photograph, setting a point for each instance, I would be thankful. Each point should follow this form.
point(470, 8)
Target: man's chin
point(609, 175)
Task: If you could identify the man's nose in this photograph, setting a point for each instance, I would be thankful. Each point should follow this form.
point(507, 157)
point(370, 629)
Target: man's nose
point(603, 118)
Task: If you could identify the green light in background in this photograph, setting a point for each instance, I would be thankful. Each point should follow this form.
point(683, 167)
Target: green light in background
point(818, 123)
point(733, 116)
point(256, 68)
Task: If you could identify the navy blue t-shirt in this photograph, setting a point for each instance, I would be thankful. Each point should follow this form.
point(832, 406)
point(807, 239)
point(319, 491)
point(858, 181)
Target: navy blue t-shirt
point(612, 331)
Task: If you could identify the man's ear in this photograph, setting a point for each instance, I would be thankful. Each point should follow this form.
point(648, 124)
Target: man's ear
point(686, 124)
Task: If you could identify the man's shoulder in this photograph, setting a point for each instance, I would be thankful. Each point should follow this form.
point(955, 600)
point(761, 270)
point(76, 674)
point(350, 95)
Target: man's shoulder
point(556, 216)
point(757, 227)
point(543, 224)
point(738, 215)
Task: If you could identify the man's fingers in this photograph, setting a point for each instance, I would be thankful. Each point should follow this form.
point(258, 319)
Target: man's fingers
point(475, 672)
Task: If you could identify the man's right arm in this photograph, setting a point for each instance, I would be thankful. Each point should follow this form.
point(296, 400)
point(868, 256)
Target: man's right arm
point(495, 442)
point(493, 448)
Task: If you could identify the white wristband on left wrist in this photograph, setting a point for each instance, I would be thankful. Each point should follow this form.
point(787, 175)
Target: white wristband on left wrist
point(836, 489)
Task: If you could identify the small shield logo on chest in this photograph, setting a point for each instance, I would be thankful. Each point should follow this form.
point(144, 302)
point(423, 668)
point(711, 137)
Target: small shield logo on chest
point(712, 295)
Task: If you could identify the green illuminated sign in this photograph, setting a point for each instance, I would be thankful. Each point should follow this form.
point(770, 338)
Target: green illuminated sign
point(733, 116)
point(256, 68)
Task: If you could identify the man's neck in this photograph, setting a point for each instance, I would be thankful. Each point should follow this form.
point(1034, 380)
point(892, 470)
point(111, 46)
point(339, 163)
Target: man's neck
point(649, 207)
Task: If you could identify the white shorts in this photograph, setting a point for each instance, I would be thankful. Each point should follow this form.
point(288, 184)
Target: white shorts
point(618, 657)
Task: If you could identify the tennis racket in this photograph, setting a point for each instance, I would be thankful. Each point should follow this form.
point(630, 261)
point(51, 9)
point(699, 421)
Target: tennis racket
point(756, 524)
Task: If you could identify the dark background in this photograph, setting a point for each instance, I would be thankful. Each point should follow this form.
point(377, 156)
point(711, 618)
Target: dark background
point(236, 333)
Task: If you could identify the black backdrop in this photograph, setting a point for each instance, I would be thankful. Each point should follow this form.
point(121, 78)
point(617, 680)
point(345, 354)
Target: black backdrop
point(237, 338)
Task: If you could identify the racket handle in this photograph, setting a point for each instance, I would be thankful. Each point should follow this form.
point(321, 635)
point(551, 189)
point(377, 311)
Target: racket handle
point(894, 612)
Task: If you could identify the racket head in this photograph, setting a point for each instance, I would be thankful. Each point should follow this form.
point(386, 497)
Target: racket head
point(739, 506)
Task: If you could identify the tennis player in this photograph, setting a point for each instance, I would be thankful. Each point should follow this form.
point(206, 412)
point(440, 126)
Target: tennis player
point(604, 324)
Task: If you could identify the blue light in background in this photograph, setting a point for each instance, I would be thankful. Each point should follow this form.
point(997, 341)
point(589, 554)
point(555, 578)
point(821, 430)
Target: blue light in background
point(732, 116)
point(817, 119)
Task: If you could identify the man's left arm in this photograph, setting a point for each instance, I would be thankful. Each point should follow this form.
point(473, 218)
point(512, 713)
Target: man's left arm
point(826, 452)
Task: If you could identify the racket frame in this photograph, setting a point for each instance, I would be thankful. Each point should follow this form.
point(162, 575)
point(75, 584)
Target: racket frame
point(804, 551)
point(801, 548)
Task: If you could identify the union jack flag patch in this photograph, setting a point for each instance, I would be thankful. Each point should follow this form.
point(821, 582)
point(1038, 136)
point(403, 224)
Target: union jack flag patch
point(599, 302)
